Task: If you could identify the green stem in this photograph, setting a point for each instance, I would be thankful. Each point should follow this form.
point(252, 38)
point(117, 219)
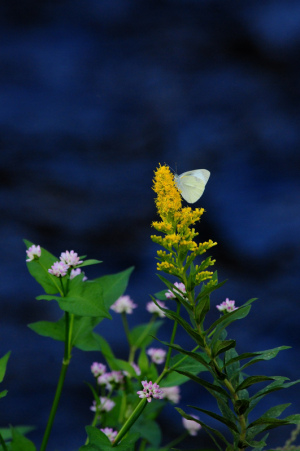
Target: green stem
point(63, 371)
point(131, 420)
point(172, 339)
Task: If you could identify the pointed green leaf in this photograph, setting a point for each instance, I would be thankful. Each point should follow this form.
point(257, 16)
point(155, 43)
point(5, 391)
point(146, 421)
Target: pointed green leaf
point(232, 426)
point(3, 364)
point(114, 285)
point(265, 355)
point(39, 270)
point(85, 300)
point(142, 336)
point(48, 297)
point(222, 346)
point(253, 380)
point(206, 427)
point(20, 443)
point(89, 262)
point(3, 393)
point(210, 387)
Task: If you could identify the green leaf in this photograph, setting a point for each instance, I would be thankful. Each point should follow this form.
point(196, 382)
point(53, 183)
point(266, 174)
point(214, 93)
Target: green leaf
point(254, 380)
point(89, 262)
point(142, 336)
point(105, 350)
point(143, 362)
point(221, 323)
point(232, 426)
point(85, 299)
point(39, 270)
point(48, 297)
point(265, 355)
point(200, 357)
point(207, 290)
point(82, 333)
point(222, 346)
point(7, 432)
point(148, 429)
point(3, 363)
point(3, 393)
point(209, 429)
point(210, 387)
point(114, 286)
point(21, 443)
point(202, 308)
point(258, 426)
point(278, 384)
point(188, 364)
point(192, 332)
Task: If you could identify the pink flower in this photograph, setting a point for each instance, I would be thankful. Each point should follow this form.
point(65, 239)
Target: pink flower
point(70, 258)
point(58, 269)
point(110, 433)
point(181, 289)
point(123, 305)
point(171, 393)
point(191, 426)
point(150, 391)
point(33, 252)
point(105, 405)
point(75, 272)
point(227, 306)
point(136, 368)
point(151, 307)
point(98, 368)
point(157, 355)
point(111, 380)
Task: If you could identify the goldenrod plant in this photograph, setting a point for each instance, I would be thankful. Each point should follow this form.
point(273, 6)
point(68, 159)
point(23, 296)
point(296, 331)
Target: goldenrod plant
point(128, 394)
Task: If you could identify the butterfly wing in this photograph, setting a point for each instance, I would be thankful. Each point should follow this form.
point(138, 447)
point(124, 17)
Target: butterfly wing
point(191, 184)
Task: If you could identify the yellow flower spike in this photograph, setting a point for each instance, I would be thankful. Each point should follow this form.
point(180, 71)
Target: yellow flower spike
point(177, 227)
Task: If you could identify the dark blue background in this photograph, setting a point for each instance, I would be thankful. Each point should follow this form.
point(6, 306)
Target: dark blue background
point(93, 95)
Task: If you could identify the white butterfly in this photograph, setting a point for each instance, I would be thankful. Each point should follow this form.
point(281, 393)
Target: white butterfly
point(191, 184)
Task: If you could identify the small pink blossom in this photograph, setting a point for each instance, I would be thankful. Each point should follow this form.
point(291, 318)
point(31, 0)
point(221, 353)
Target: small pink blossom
point(98, 368)
point(124, 305)
point(105, 405)
point(191, 426)
point(136, 368)
point(75, 272)
point(227, 306)
point(111, 380)
point(157, 355)
point(70, 258)
point(150, 391)
point(58, 269)
point(171, 393)
point(33, 252)
point(110, 433)
point(172, 294)
point(151, 307)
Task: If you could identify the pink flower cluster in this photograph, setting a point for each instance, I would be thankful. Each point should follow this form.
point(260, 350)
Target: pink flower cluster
point(110, 433)
point(67, 260)
point(171, 393)
point(111, 380)
point(157, 355)
point(191, 426)
point(104, 405)
point(227, 306)
point(171, 294)
point(151, 307)
point(123, 305)
point(34, 252)
point(150, 391)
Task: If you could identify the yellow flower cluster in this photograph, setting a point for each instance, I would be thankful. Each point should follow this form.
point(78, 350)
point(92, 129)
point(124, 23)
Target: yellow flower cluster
point(176, 226)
